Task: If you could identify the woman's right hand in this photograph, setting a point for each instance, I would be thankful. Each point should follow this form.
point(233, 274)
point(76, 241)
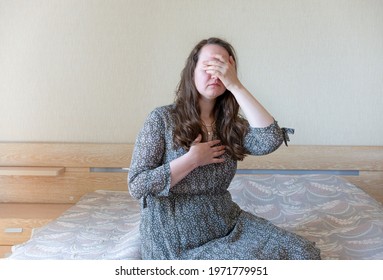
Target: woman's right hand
point(206, 152)
point(199, 154)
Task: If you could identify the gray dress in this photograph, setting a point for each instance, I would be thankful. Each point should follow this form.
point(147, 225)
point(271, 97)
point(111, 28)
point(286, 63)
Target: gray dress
point(196, 218)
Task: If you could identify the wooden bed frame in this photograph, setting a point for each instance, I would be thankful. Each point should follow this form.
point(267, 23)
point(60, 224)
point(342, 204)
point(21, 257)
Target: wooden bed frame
point(39, 181)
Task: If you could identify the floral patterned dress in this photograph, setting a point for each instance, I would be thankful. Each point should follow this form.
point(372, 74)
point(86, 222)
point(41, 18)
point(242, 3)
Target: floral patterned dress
point(196, 218)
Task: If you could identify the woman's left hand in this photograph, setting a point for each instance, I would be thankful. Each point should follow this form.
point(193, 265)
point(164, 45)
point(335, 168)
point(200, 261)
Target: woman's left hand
point(222, 69)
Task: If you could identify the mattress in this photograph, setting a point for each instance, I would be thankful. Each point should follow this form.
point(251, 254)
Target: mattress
point(340, 218)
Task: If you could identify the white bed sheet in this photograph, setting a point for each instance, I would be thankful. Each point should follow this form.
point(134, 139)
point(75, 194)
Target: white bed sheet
point(343, 220)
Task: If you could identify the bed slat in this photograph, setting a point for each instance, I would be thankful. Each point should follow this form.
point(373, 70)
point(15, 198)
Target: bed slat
point(31, 171)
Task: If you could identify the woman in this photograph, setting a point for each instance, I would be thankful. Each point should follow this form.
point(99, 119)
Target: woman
point(185, 157)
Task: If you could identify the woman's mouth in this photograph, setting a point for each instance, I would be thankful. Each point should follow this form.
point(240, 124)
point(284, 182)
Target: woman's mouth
point(214, 85)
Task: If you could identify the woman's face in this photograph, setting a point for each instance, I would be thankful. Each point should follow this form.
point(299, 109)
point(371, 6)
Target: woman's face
point(209, 87)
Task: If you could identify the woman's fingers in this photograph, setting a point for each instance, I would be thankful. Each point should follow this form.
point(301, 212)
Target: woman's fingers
point(208, 152)
point(213, 142)
point(222, 68)
point(197, 140)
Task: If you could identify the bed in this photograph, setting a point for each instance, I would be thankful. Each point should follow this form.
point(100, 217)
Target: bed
point(70, 201)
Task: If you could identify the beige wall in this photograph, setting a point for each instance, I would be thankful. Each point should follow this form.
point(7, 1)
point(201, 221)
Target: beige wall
point(91, 71)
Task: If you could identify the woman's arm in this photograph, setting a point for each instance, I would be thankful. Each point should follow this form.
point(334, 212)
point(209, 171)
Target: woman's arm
point(255, 113)
point(265, 136)
point(225, 70)
point(148, 174)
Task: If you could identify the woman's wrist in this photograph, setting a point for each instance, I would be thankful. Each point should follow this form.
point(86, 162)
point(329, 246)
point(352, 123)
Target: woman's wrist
point(236, 88)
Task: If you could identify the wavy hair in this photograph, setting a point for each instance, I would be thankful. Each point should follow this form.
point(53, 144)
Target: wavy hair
point(230, 126)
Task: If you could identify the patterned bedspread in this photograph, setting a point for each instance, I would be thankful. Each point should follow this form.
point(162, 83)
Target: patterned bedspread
point(343, 220)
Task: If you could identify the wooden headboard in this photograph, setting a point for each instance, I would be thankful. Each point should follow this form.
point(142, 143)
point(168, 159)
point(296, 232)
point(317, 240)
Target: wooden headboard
point(73, 176)
point(63, 172)
point(39, 181)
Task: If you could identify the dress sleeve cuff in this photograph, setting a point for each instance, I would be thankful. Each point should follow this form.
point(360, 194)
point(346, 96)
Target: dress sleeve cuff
point(166, 190)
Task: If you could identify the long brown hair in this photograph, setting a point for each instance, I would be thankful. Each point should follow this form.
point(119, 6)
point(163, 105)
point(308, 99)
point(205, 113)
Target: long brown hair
point(230, 126)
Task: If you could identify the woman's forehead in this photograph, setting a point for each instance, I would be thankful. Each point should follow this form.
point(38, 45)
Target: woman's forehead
point(208, 51)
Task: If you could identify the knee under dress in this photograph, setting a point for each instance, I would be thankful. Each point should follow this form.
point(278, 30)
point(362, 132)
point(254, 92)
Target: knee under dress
point(196, 218)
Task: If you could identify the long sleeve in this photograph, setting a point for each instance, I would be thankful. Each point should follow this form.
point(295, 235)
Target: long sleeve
point(148, 174)
point(262, 141)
